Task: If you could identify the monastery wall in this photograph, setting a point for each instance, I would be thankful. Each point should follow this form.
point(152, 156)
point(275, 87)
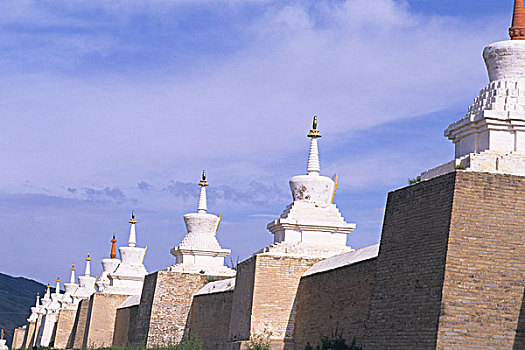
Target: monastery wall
point(18, 338)
point(64, 328)
point(334, 302)
point(264, 298)
point(29, 335)
point(123, 320)
point(450, 268)
point(79, 327)
point(210, 318)
point(406, 301)
point(485, 264)
point(165, 307)
point(101, 319)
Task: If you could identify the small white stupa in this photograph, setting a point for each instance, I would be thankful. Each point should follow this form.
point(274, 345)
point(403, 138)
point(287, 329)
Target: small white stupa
point(311, 226)
point(86, 284)
point(108, 266)
point(199, 251)
point(3, 345)
point(34, 310)
point(491, 136)
point(70, 288)
point(128, 277)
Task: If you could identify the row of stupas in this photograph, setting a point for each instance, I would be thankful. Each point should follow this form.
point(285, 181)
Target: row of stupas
point(198, 295)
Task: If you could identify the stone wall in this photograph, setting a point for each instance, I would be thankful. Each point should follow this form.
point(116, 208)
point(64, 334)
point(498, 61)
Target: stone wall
point(64, 328)
point(210, 318)
point(264, 303)
point(450, 271)
point(29, 334)
point(485, 270)
point(164, 307)
point(101, 319)
point(123, 320)
point(334, 302)
point(79, 327)
point(18, 338)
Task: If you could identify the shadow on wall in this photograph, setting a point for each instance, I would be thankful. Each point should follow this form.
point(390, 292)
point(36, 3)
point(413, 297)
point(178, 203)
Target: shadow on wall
point(519, 339)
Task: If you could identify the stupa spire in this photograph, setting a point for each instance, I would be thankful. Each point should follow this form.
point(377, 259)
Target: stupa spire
point(72, 278)
point(88, 266)
point(132, 241)
point(313, 167)
point(48, 291)
point(517, 31)
point(203, 206)
point(37, 300)
point(2, 334)
point(113, 254)
point(57, 288)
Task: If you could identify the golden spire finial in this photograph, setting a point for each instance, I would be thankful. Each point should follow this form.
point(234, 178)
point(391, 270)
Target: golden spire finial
point(73, 267)
point(132, 220)
point(48, 285)
point(58, 279)
point(314, 132)
point(203, 181)
point(38, 295)
point(113, 253)
point(2, 334)
point(517, 31)
point(88, 258)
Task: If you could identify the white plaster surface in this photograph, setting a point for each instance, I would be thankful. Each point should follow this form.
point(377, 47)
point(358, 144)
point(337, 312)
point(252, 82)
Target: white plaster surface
point(344, 260)
point(131, 301)
point(217, 286)
point(3, 345)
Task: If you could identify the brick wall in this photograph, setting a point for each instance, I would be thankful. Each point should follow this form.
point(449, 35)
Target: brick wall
point(101, 319)
point(485, 270)
point(28, 337)
point(210, 318)
point(334, 302)
point(405, 303)
point(18, 338)
point(79, 327)
point(165, 306)
point(451, 267)
point(268, 294)
point(64, 328)
point(140, 324)
point(122, 325)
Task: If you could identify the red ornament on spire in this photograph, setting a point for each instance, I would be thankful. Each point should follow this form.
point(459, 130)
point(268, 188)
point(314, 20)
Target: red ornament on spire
point(517, 31)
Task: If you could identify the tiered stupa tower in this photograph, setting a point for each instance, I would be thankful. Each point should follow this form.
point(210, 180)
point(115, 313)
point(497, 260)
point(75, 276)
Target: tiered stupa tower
point(128, 277)
point(86, 284)
point(311, 225)
point(70, 288)
point(108, 266)
point(199, 251)
point(491, 136)
point(3, 345)
point(50, 318)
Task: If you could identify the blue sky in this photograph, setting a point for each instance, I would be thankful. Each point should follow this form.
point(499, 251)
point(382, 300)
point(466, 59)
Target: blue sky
point(109, 106)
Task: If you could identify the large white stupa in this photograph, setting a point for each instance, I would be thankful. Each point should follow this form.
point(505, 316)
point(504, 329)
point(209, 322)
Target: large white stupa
point(199, 251)
point(491, 136)
point(50, 318)
point(67, 301)
point(109, 265)
point(128, 277)
point(311, 226)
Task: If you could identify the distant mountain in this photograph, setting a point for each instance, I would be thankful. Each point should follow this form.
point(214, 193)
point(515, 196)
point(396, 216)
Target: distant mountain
point(17, 296)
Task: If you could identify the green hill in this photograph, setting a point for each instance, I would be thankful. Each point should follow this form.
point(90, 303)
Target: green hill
point(17, 295)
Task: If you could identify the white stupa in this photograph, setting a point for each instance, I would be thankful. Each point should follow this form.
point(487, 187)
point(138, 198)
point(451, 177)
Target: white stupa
point(86, 284)
point(70, 288)
point(128, 277)
point(491, 136)
point(3, 345)
point(34, 314)
point(199, 251)
point(50, 318)
point(311, 225)
point(109, 265)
